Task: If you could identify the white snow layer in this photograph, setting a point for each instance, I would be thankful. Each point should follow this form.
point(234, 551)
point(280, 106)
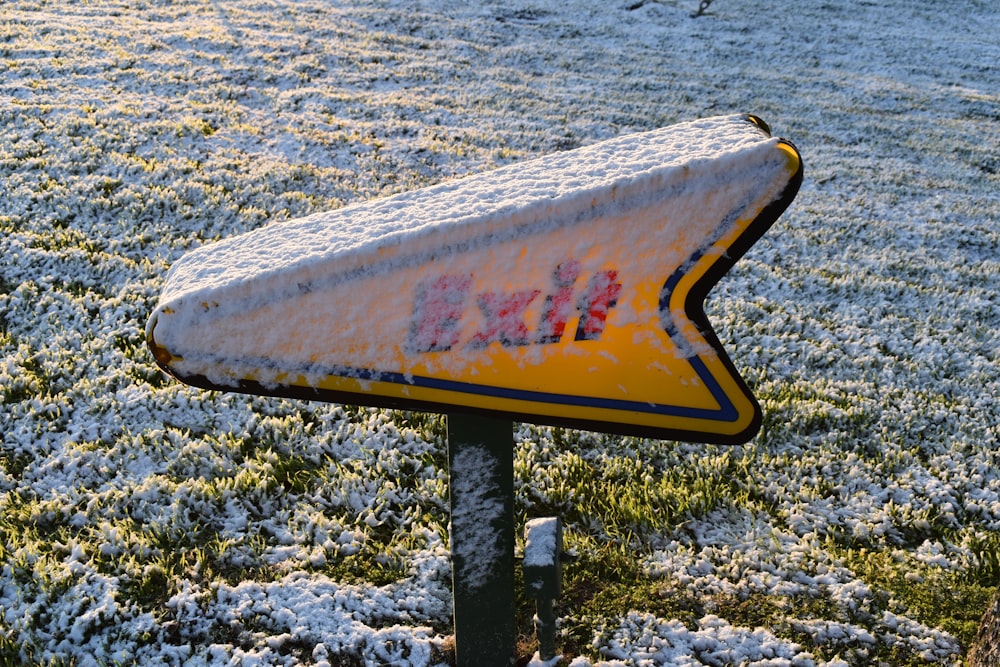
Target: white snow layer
point(477, 515)
point(542, 536)
point(458, 210)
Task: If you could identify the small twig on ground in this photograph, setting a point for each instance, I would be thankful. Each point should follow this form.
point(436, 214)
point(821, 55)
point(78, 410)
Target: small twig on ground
point(702, 6)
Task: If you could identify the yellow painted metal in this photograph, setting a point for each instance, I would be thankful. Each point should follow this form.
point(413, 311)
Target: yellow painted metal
point(586, 315)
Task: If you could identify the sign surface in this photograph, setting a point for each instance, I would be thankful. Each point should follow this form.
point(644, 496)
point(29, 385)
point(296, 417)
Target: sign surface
point(566, 290)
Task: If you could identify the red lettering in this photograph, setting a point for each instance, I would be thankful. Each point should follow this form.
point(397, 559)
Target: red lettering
point(504, 315)
point(436, 313)
point(559, 306)
point(440, 304)
point(598, 298)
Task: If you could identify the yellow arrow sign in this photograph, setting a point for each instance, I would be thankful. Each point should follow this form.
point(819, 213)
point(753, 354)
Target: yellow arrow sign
point(565, 290)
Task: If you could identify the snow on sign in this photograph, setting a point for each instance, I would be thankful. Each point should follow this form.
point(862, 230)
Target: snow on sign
point(566, 290)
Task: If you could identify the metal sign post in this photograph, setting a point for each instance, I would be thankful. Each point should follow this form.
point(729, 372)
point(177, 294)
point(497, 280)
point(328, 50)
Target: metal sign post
point(481, 469)
point(543, 577)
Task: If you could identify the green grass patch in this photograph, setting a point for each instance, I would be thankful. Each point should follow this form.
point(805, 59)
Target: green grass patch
point(952, 601)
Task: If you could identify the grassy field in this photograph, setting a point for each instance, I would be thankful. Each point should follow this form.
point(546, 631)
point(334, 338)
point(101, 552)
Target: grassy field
point(143, 522)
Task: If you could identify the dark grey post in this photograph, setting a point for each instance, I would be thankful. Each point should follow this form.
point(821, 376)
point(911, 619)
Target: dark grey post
point(481, 469)
point(542, 569)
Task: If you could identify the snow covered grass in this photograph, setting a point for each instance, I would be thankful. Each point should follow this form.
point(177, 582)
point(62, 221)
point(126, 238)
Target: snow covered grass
point(144, 522)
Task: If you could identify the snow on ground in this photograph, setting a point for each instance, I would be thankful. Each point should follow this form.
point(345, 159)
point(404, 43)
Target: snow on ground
point(866, 320)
